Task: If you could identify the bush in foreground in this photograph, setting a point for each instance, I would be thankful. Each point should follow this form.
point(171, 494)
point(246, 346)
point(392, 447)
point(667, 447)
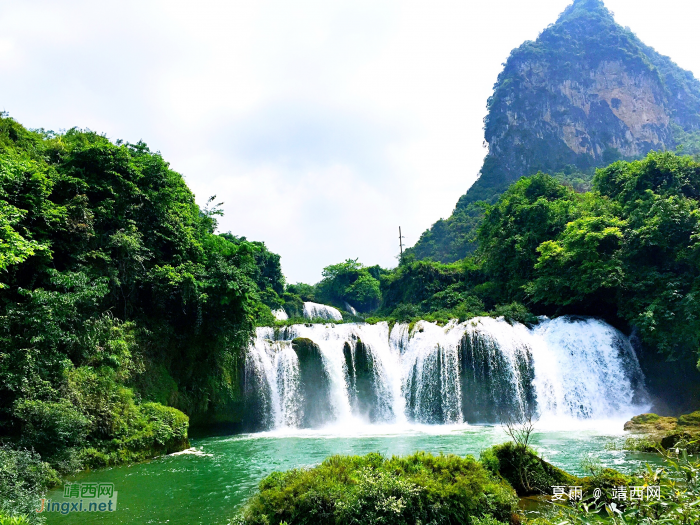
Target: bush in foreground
point(523, 469)
point(347, 490)
point(23, 480)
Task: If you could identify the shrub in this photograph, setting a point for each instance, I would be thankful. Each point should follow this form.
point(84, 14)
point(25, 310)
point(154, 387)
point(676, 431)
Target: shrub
point(405, 312)
point(110, 405)
point(526, 472)
point(50, 427)
point(168, 425)
point(515, 313)
point(23, 480)
point(420, 488)
point(13, 520)
point(157, 430)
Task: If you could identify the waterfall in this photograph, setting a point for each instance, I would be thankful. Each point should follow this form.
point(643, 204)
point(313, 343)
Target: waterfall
point(479, 371)
point(585, 369)
point(271, 384)
point(321, 311)
point(280, 315)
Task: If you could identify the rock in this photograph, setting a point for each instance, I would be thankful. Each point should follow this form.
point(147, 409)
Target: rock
point(314, 384)
point(651, 424)
point(690, 420)
point(674, 439)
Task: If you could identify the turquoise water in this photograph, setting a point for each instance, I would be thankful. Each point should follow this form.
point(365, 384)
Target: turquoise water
point(208, 488)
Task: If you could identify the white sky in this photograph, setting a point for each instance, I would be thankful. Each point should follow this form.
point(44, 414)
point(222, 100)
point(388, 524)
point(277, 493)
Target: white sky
point(323, 126)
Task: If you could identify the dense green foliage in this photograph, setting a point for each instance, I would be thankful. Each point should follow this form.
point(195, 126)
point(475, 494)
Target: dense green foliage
point(350, 282)
point(432, 291)
point(420, 488)
point(627, 250)
point(23, 479)
point(117, 297)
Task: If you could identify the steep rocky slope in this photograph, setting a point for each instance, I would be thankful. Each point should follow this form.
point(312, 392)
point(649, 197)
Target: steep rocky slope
point(587, 92)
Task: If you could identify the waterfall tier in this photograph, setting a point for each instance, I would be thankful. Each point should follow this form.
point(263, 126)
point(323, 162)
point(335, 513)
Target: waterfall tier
point(321, 311)
point(481, 371)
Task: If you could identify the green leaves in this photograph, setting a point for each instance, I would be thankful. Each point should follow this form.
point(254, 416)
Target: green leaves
point(14, 249)
point(350, 282)
point(630, 249)
point(50, 427)
point(585, 260)
point(112, 275)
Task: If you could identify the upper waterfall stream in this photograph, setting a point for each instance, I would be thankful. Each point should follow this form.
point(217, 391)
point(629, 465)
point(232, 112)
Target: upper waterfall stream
point(479, 371)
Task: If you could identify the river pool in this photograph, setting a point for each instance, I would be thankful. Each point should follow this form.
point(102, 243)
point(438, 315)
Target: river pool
point(208, 486)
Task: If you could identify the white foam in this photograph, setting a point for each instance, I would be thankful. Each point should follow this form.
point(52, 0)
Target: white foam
point(583, 371)
point(321, 311)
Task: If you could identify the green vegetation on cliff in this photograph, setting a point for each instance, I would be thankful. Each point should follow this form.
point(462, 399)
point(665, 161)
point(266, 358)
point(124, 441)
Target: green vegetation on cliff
point(627, 250)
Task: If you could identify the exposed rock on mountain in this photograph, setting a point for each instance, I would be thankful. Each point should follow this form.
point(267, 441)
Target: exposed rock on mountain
point(587, 92)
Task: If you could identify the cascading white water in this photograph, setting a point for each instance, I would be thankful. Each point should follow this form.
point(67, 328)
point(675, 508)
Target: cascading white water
point(430, 371)
point(274, 367)
point(584, 369)
point(321, 311)
point(473, 371)
point(280, 315)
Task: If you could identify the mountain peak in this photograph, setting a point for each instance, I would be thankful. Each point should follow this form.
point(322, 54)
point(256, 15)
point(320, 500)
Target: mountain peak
point(584, 7)
point(585, 93)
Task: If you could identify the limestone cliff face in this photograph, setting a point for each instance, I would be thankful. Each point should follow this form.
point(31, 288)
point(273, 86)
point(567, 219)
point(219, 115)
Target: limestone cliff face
point(587, 92)
point(609, 108)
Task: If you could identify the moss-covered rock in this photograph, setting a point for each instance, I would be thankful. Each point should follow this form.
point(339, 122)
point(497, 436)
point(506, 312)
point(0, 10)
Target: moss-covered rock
point(651, 424)
point(690, 420)
point(690, 441)
point(665, 432)
point(420, 488)
point(158, 430)
point(526, 472)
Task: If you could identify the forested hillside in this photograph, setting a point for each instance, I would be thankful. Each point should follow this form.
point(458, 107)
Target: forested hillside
point(118, 300)
point(586, 93)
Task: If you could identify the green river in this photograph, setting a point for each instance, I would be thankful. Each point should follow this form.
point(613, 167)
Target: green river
point(208, 486)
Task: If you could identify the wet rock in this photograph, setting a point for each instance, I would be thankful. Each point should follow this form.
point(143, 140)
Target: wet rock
point(314, 384)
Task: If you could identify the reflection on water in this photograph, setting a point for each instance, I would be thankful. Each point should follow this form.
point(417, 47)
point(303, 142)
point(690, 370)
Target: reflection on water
point(192, 489)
